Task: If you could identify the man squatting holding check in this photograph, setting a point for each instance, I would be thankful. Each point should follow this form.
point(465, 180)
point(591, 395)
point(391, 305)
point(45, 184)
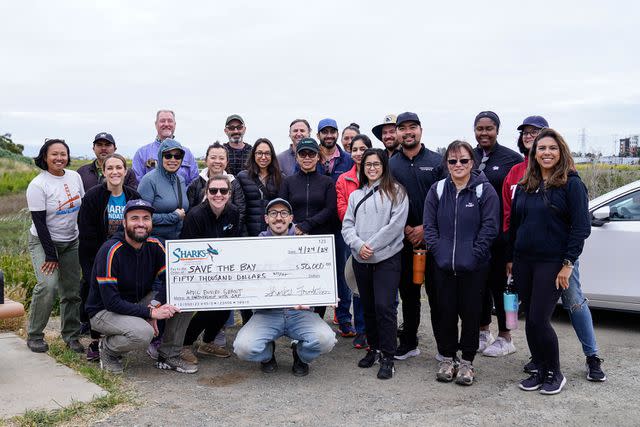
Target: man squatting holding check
point(312, 337)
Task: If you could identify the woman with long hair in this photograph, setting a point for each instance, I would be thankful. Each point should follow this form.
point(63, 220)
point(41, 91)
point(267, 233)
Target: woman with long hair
point(549, 224)
point(373, 229)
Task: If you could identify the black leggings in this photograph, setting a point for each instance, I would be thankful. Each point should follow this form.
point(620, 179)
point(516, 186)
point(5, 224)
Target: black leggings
point(494, 287)
point(536, 285)
point(208, 321)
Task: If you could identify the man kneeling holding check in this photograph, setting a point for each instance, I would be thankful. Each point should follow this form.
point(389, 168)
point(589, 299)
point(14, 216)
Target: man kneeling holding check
point(255, 342)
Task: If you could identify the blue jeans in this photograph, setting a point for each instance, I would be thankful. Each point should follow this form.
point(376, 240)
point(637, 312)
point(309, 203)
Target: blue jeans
point(344, 293)
point(314, 336)
point(576, 304)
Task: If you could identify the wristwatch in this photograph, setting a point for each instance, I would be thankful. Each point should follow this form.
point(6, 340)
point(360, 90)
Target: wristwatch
point(567, 263)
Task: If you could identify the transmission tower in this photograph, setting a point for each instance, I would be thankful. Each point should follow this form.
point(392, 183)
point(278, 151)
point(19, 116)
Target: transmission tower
point(583, 141)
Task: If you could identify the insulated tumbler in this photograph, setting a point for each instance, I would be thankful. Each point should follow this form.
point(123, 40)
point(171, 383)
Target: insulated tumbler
point(419, 264)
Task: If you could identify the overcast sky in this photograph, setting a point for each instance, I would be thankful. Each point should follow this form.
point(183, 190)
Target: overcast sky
point(71, 69)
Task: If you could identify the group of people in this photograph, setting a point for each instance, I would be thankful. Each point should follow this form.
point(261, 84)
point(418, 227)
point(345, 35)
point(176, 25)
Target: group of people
point(482, 214)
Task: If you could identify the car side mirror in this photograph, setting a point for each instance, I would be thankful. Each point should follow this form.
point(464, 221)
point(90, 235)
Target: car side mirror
point(602, 213)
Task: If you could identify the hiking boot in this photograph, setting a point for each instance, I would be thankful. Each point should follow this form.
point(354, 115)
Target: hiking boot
point(75, 346)
point(500, 347)
point(447, 370)
point(594, 371)
point(270, 366)
point(187, 355)
point(360, 341)
point(406, 351)
point(466, 373)
point(531, 367)
point(553, 383)
point(152, 350)
point(534, 382)
point(346, 330)
point(177, 364)
point(110, 362)
point(370, 359)
point(93, 352)
point(37, 345)
point(212, 349)
point(386, 368)
point(299, 368)
point(486, 339)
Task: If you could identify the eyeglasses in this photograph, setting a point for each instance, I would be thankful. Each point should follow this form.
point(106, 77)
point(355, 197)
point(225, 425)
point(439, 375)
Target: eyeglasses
point(461, 161)
point(483, 163)
point(274, 214)
point(169, 156)
point(374, 165)
point(263, 154)
point(532, 133)
point(215, 190)
point(237, 127)
point(306, 154)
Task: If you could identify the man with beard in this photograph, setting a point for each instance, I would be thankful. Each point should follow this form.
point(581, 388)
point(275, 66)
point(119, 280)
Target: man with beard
point(298, 130)
point(416, 168)
point(386, 132)
point(127, 279)
point(146, 158)
point(239, 151)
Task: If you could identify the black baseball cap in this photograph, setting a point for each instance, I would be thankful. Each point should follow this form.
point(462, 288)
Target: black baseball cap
point(407, 117)
point(104, 136)
point(309, 144)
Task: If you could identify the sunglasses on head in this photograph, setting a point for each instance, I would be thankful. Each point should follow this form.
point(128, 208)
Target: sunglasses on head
point(177, 156)
point(462, 161)
point(215, 190)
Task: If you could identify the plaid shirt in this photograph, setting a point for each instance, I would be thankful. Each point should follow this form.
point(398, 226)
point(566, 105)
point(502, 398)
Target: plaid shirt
point(237, 158)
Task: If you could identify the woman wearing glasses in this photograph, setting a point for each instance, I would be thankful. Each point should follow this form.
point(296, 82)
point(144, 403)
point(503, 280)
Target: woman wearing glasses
point(460, 224)
point(215, 218)
point(495, 161)
point(164, 188)
point(373, 228)
point(260, 184)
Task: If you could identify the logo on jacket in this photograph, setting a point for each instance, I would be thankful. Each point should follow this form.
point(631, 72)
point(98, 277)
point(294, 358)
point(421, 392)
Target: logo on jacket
point(495, 168)
point(426, 168)
point(469, 205)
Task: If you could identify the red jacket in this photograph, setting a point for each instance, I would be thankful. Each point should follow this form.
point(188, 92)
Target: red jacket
point(346, 184)
point(509, 188)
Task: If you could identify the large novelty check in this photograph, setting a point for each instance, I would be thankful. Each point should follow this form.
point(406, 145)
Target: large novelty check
point(251, 272)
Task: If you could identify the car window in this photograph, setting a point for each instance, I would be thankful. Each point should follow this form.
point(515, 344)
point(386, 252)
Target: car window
point(626, 208)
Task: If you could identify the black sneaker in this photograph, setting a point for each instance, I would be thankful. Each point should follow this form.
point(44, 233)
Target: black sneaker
point(370, 359)
point(75, 346)
point(386, 368)
point(553, 383)
point(37, 345)
point(406, 351)
point(299, 368)
point(270, 366)
point(534, 382)
point(93, 352)
point(594, 371)
point(360, 341)
point(530, 367)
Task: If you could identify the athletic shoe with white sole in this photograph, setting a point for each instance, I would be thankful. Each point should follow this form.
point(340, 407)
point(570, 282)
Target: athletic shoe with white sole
point(486, 339)
point(177, 364)
point(553, 383)
point(594, 370)
point(406, 351)
point(500, 347)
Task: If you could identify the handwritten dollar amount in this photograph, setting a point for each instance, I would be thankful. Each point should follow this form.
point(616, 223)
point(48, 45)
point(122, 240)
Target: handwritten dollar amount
point(313, 266)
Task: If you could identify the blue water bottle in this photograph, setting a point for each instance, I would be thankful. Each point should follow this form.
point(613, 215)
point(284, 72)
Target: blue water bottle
point(510, 298)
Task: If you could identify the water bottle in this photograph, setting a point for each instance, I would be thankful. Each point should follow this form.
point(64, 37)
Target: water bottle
point(510, 298)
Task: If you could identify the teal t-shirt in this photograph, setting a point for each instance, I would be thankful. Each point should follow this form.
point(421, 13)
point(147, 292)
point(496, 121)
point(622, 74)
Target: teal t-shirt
point(115, 209)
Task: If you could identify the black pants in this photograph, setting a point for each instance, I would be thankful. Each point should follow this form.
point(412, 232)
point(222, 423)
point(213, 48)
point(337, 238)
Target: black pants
point(537, 288)
point(208, 321)
point(378, 287)
point(494, 287)
point(410, 295)
point(459, 295)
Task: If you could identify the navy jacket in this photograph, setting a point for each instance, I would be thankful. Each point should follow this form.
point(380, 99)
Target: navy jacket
point(342, 164)
point(550, 231)
point(123, 275)
point(256, 197)
point(417, 175)
point(459, 229)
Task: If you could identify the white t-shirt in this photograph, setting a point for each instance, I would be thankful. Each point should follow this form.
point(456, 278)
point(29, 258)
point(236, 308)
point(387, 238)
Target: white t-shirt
point(60, 197)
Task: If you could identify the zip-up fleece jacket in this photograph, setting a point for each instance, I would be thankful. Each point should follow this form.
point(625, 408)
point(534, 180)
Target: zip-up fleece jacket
point(346, 184)
point(379, 223)
point(509, 189)
point(313, 199)
point(553, 231)
point(202, 223)
point(123, 275)
point(417, 175)
point(459, 228)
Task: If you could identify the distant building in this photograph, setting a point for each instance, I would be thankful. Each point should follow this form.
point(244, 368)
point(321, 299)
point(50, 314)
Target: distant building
point(629, 146)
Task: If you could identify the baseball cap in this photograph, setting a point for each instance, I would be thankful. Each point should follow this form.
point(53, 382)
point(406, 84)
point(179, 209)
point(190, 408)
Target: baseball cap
point(136, 204)
point(389, 119)
point(104, 136)
point(535, 121)
point(407, 117)
point(278, 201)
point(307, 144)
point(234, 117)
point(326, 123)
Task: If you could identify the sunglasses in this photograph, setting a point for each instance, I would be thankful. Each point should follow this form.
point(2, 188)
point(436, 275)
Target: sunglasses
point(232, 128)
point(307, 154)
point(462, 161)
point(215, 190)
point(483, 163)
point(169, 156)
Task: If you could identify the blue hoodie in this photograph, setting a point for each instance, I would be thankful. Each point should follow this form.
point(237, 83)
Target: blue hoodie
point(160, 188)
point(460, 228)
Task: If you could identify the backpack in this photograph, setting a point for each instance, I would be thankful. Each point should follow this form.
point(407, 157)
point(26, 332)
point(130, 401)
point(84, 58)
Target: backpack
point(440, 188)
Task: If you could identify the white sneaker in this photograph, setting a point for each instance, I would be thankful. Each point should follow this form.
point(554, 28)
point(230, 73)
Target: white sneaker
point(500, 347)
point(486, 339)
point(439, 357)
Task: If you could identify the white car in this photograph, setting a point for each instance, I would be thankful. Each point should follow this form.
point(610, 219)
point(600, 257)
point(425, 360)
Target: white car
point(608, 269)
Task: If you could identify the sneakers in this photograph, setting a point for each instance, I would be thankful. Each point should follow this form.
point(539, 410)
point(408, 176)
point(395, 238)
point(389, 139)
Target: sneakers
point(439, 357)
point(177, 364)
point(466, 373)
point(212, 349)
point(530, 367)
point(406, 351)
point(152, 350)
point(553, 383)
point(85, 328)
point(270, 366)
point(299, 368)
point(93, 351)
point(594, 371)
point(335, 318)
point(370, 359)
point(110, 362)
point(486, 339)
point(187, 355)
point(386, 368)
point(534, 382)
point(346, 330)
point(360, 341)
point(500, 347)
point(37, 345)
point(448, 370)
point(221, 339)
point(75, 346)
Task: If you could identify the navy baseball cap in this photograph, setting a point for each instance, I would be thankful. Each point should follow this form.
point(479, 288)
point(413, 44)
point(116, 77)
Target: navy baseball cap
point(104, 136)
point(309, 144)
point(327, 123)
point(136, 204)
point(407, 117)
point(278, 201)
point(535, 121)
